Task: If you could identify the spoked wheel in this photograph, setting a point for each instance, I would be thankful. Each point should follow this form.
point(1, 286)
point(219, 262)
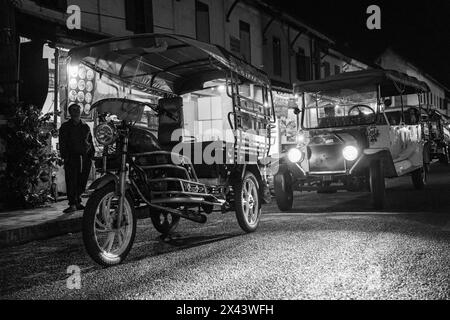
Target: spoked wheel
point(164, 222)
point(284, 194)
point(377, 184)
point(107, 241)
point(248, 203)
point(419, 178)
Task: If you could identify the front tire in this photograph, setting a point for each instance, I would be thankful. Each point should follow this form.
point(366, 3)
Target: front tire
point(101, 230)
point(284, 194)
point(248, 203)
point(377, 185)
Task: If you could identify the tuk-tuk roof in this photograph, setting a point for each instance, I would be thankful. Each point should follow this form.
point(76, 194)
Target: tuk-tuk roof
point(393, 83)
point(124, 109)
point(151, 61)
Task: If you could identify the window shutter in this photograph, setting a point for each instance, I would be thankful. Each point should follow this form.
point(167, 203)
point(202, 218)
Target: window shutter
point(130, 14)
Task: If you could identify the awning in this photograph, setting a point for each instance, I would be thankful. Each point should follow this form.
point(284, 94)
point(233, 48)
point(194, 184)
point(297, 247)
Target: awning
point(393, 83)
point(162, 60)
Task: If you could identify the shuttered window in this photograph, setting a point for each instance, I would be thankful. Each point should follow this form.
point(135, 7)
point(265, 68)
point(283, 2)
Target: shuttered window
point(303, 65)
point(245, 41)
point(57, 5)
point(276, 53)
point(139, 16)
point(202, 21)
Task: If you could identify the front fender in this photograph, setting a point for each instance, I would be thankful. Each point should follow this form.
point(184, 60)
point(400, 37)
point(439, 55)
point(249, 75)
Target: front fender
point(370, 155)
point(103, 181)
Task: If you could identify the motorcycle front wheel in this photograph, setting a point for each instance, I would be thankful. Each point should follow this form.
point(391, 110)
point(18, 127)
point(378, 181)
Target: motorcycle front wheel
point(107, 242)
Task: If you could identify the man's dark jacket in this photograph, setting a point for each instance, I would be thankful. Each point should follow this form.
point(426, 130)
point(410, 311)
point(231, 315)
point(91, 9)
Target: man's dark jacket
point(75, 140)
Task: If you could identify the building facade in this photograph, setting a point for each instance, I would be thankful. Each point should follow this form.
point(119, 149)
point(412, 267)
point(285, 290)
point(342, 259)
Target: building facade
point(436, 99)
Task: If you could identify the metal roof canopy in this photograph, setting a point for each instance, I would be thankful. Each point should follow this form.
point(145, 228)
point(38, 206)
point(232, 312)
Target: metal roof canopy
point(178, 64)
point(392, 83)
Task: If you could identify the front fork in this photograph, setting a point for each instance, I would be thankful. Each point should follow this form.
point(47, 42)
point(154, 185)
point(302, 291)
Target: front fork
point(122, 179)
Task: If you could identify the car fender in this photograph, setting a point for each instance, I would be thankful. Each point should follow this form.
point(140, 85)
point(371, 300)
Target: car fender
point(370, 155)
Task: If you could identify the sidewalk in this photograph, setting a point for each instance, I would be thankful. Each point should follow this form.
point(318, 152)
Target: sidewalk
point(22, 226)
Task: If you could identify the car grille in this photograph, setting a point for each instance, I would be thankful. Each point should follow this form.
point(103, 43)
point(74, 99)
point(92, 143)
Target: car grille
point(326, 158)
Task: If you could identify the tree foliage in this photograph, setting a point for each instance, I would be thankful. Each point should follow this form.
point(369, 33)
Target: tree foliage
point(29, 157)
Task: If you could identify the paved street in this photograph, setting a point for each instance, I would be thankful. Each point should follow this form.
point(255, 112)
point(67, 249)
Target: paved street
point(328, 247)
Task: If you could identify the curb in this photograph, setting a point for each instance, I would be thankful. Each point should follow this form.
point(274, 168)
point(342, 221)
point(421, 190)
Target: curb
point(47, 230)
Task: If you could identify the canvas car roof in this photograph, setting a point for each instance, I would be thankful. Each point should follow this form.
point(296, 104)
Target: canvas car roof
point(393, 83)
point(171, 62)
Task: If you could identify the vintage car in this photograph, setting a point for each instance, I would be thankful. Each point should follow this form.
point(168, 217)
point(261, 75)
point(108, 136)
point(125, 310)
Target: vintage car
point(214, 114)
point(438, 134)
point(347, 141)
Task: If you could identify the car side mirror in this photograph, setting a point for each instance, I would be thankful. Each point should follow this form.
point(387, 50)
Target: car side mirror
point(297, 111)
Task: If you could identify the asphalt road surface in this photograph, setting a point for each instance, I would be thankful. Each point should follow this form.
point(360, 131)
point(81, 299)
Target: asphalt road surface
point(331, 246)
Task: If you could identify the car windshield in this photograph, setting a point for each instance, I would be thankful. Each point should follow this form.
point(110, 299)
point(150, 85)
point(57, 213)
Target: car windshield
point(340, 108)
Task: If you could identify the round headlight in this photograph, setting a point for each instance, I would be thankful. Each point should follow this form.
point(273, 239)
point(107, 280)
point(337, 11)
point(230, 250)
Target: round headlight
point(295, 155)
point(301, 138)
point(350, 153)
point(105, 134)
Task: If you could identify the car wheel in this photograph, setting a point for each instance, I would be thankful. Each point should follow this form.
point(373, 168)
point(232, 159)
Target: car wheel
point(419, 179)
point(284, 194)
point(377, 184)
point(248, 202)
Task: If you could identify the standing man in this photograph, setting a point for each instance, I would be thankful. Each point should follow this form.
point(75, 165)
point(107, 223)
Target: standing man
point(77, 150)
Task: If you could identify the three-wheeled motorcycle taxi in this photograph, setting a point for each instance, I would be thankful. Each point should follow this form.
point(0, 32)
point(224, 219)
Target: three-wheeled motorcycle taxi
point(347, 142)
point(214, 114)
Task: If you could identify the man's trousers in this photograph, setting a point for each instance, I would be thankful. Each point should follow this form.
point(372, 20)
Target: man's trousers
point(77, 169)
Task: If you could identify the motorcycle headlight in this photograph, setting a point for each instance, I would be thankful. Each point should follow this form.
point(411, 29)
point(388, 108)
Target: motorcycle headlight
point(295, 155)
point(105, 134)
point(350, 153)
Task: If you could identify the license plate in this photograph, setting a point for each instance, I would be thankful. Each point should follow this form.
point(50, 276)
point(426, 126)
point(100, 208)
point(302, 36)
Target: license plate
point(327, 178)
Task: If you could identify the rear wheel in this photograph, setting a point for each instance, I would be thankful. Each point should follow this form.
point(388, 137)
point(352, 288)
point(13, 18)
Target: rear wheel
point(419, 178)
point(248, 203)
point(164, 222)
point(377, 184)
point(284, 194)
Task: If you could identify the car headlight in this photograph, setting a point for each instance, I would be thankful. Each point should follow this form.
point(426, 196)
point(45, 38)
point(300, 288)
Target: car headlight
point(295, 155)
point(105, 134)
point(350, 153)
point(301, 138)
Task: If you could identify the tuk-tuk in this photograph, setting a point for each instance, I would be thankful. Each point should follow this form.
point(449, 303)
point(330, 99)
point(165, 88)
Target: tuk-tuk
point(214, 113)
point(346, 141)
